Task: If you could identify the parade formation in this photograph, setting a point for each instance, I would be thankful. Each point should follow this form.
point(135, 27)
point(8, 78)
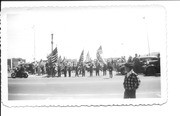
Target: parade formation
point(56, 66)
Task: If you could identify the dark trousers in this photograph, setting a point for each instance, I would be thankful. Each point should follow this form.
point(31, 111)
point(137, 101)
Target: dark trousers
point(91, 73)
point(76, 74)
point(97, 73)
point(65, 73)
point(53, 72)
point(110, 74)
point(59, 72)
point(69, 73)
point(83, 73)
point(104, 73)
point(129, 94)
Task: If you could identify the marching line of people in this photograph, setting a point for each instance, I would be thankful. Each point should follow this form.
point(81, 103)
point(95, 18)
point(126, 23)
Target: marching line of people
point(66, 70)
point(131, 81)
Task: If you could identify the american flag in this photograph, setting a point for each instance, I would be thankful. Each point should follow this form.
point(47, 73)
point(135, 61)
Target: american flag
point(81, 59)
point(53, 57)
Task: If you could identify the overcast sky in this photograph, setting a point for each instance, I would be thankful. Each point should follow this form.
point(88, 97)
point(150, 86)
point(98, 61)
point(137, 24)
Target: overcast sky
point(119, 30)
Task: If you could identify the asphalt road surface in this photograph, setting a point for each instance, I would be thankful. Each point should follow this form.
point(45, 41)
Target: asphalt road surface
point(41, 88)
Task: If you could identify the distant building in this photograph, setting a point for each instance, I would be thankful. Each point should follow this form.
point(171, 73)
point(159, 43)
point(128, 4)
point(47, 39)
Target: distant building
point(14, 62)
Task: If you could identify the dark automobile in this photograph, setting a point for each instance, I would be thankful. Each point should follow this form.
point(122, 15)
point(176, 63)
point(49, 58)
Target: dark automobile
point(150, 65)
point(120, 68)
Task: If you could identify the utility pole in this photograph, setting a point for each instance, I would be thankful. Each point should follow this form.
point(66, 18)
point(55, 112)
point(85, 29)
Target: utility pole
point(51, 65)
point(34, 43)
point(52, 42)
point(147, 35)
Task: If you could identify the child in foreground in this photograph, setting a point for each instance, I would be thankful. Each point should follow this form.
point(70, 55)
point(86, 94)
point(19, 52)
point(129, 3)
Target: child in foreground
point(131, 82)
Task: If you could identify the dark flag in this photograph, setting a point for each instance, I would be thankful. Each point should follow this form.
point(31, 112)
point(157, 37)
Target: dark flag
point(81, 59)
point(53, 57)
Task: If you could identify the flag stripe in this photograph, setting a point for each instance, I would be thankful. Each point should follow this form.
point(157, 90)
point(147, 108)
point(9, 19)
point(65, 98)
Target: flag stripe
point(53, 56)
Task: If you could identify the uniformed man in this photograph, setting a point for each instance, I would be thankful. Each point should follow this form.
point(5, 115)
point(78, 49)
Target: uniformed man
point(110, 68)
point(49, 70)
point(54, 70)
point(22, 69)
point(59, 70)
point(83, 70)
point(39, 70)
point(65, 70)
point(104, 69)
point(42, 70)
point(91, 70)
point(69, 70)
point(97, 69)
point(76, 71)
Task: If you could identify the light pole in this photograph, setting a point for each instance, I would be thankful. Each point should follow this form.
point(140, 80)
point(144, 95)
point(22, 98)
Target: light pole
point(52, 42)
point(34, 43)
point(144, 18)
point(122, 47)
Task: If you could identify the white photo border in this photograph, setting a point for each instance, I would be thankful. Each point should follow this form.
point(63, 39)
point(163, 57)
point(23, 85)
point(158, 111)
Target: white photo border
point(82, 102)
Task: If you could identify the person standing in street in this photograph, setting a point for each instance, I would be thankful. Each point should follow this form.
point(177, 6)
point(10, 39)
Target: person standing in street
point(97, 69)
point(136, 63)
point(130, 59)
point(39, 70)
point(59, 70)
point(131, 82)
point(54, 70)
point(91, 70)
point(76, 71)
point(110, 71)
point(104, 69)
point(65, 70)
point(83, 70)
point(69, 70)
point(42, 70)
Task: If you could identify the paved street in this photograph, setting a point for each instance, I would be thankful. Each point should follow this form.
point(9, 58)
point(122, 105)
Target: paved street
point(41, 87)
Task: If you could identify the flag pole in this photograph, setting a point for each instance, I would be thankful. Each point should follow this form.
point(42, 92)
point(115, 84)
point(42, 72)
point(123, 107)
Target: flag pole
point(34, 43)
point(51, 65)
point(147, 35)
point(52, 42)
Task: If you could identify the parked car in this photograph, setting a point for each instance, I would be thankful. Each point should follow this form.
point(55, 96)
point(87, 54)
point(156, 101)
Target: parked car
point(120, 69)
point(150, 65)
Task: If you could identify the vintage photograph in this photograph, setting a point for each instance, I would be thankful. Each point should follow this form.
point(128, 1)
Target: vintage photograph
point(85, 53)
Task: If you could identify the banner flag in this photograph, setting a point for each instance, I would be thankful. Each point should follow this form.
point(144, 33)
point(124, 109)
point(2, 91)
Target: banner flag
point(59, 60)
point(100, 50)
point(88, 58)
point(99, 58)
point(81, 59)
